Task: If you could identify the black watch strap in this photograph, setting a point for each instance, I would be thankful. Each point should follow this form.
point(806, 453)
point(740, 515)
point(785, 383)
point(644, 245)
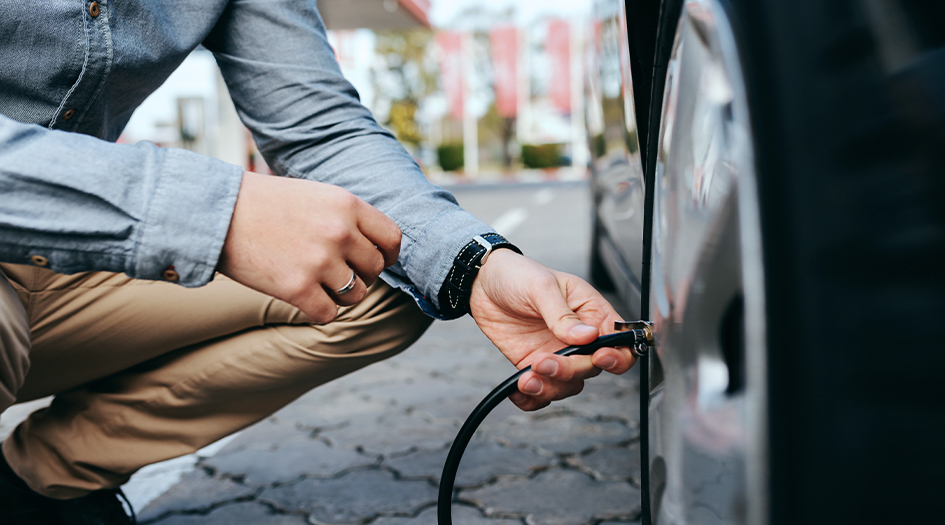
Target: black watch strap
point(454, 294)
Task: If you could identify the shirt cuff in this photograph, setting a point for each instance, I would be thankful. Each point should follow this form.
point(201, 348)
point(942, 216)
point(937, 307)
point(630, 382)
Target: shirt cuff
point(187, 219)
point(450, 231)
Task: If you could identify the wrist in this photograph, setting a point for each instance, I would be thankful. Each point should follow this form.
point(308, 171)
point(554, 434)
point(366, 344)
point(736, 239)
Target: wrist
point(456, 289)
point(497, 258)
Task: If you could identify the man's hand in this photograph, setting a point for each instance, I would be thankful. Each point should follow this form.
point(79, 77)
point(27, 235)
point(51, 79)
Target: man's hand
point(299, 240)
point(529, 312)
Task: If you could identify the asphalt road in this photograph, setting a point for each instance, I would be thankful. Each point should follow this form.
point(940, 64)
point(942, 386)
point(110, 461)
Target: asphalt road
point(549, 222)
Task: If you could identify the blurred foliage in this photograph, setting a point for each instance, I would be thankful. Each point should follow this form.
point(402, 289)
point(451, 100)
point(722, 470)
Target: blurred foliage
point(407, 69)
point(633, 144)
point(450, 156)
point(496, 129)
point(598, 145)
point(403, 122)
point(538, 156)
point(406, 72)
point(615, 133)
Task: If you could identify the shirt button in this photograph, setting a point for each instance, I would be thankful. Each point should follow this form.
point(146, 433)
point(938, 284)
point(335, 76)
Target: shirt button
point(68, 114)
point(39, 260)
point(170, 274)
point(94, 9)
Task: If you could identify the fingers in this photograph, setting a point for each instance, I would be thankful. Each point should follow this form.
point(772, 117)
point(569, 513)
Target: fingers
point(367, 263)
point(381, 231)
point(351, 296)
point(365, 259)
point(564, 323)
point(565, 369)
point(299, 240)
point(614, 360)
point(553, 377)
point(317, 305)
point(536, 392)
point(527, 403)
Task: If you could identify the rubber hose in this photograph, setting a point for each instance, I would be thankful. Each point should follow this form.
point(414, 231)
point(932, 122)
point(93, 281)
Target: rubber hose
point(504, 390)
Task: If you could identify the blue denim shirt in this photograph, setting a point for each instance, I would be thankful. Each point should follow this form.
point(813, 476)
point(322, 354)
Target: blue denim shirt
point(70, 80)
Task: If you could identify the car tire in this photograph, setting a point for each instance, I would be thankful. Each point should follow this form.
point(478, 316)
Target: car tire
point(600, 278)
point(848, 132)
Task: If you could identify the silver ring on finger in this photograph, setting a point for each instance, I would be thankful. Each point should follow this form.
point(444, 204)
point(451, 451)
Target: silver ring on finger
point(349, 286)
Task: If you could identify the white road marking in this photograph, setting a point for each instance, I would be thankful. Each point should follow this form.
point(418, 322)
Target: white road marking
point(544, 196)
point(152, 481)
point(509, 221)
point(15, 415)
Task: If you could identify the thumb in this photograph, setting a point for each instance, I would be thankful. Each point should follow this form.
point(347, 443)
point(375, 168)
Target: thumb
point(560, 319)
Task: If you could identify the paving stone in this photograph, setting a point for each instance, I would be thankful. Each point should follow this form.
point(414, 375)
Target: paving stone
point(462, 515)
point(459, 409)
point(287, 462)
point(414, 391)
point(450, 334)
point(611, 463)
point(248, 512)
point(386, 372)
point(484, 373)
point(629, 382)
point(328, 409)
point(557, 497)
point(482, 462)
point(394, 433)
point(559, 433)
point(265, 435)
point(443, 359)
point(607, 396)
point(196, 491)
point(449, 346)
point(455, 410)
point(625, 409)
point(352, 498)
point(506, 410)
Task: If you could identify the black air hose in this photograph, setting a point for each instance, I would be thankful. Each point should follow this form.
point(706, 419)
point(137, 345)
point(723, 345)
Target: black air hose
point(505, 389)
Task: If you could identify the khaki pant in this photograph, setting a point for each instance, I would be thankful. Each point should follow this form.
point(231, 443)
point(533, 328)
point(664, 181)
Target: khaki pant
point(145, 371)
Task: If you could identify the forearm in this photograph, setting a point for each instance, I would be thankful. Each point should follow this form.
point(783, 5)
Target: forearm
point(309, 123)
point(84, 204)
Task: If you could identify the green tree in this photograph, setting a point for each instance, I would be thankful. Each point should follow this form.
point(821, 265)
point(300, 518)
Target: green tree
point(495, 129)
point(406, 73)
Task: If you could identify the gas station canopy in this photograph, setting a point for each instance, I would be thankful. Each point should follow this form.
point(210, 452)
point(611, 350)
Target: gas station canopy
point(375, 14)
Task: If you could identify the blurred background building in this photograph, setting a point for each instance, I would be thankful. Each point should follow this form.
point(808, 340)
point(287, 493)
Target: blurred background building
point(472, 89)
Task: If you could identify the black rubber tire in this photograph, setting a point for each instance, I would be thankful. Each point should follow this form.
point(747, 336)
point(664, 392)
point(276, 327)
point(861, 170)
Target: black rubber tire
point(600, 278)
point(855, 395)
point(850, 155)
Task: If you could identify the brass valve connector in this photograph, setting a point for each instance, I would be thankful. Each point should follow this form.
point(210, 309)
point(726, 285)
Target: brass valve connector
point(643, 335)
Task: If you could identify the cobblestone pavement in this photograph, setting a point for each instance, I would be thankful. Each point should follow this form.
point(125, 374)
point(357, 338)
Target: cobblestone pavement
point(369, 448)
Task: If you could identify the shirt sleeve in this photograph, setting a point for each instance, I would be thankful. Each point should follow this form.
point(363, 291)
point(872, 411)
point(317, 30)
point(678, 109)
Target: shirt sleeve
point(76, 203)
point(309, 122)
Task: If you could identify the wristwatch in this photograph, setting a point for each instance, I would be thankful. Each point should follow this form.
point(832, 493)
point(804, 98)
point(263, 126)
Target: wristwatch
point(454, 294)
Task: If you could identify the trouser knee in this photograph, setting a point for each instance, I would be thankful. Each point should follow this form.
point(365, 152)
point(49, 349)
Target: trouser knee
point(14, 343)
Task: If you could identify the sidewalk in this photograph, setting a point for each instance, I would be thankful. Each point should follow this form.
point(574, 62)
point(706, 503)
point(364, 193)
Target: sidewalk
point(521, 176)
point(368, 449)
